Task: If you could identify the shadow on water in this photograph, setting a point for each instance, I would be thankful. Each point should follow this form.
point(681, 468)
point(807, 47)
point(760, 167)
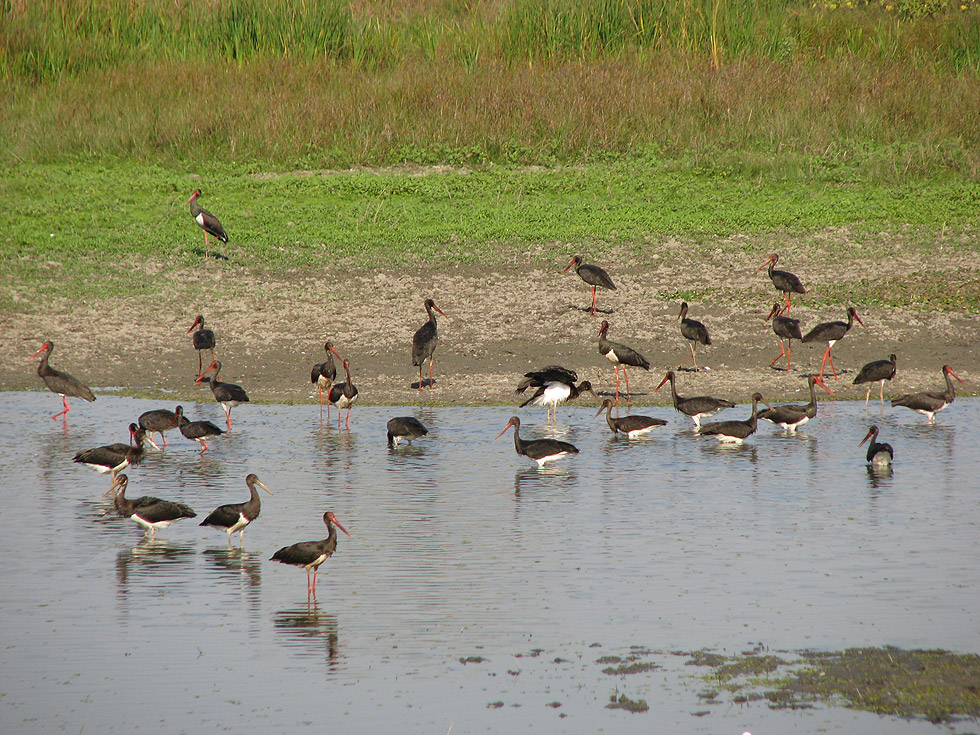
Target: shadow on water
point(156, 561)
point(232, 563)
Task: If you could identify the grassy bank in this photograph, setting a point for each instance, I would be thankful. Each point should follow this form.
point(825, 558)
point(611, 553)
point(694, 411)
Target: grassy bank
point(108, 230)
point(776, 88)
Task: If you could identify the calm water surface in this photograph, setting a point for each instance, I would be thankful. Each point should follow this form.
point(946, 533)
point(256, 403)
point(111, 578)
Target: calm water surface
point(463, 549)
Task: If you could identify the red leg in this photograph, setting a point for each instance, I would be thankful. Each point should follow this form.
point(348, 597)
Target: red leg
point(782, 351)
point(593, 300)
point(65, 412)
point(347, 422)
point(789, 347)
point(430, 376)
point(832, 369)
point(420, 376)
point(824, 361)
point(204, 446)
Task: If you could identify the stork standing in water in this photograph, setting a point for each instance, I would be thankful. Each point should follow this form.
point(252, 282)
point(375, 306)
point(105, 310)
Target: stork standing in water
point(324, 373)
point(877, 371)
point(195, 430)
point(158, 421)
point(207, 222)
point(553, 386)
point(311, 554)
point(541, 451)
point(694, 406)
point(831, 332)
point(592, 275)
point(734, 432)
point(115, 457)
point(792, 416)
point(228, 395)
point(424, 342)
point(236, 516)
point(929, 403)
point(879, 454)
point(343, 394)
point(633, 425)
point(147, 512)
point(620, 356)
point(786, 329)
point(784, 281)
point(404, 428)
point(203, 339)
point(694, 332)
point(58, 382)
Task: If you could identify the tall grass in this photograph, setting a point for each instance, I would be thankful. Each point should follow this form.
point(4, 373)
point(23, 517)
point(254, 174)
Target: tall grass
point(778, 86)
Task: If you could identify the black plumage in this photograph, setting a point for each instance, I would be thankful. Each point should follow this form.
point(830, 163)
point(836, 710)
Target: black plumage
point(311, 554)
point(236, 516)
point(404, 428)
point(60, 382)
point(540, 450)
point(424, 342)
point(694, 406)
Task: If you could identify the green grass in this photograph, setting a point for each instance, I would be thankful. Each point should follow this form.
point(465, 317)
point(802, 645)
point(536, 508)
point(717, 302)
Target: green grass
point(96, 230)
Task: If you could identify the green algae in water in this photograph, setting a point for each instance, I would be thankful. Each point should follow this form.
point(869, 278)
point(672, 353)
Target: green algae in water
point(621, 701)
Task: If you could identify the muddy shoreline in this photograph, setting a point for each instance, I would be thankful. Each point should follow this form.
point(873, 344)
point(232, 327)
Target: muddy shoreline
point(502, 320)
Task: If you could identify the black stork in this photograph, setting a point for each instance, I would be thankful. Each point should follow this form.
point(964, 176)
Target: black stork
point(792, 416)
point(831, 332)
point(311, 554)
point(404, 428)
point(880, 454)
point(592, 275)
point(553, 386)
point(620, 355)
point(115, 457)
point(324, 373)
point(235, 516)
point(203, 339)
point(58, 382)
point(877, 371)
point(695, 406)
point(424, 342)
point(196, 430)
point(784, 281)
point(228, 395)
point(929, 403)
point(157, 421)
point(734, 432)
point(633, 426)
point(694, 332)
point(786, 329)
point(343, 394)
point(147, 512)
point(540, 450)
point(206, 221)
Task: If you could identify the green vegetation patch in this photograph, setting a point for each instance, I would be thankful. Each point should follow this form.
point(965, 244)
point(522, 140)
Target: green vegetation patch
point(934, 684)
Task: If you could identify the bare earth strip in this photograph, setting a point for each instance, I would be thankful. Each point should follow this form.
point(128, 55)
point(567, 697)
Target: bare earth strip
point(503, 320)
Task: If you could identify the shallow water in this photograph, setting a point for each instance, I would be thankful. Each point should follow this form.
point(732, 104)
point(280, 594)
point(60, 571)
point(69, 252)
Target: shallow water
point(463, 549)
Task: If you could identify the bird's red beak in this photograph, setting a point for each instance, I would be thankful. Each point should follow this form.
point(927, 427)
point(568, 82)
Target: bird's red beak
point(768, 261)
point(336, 523)
point(666, 378)
point(196, 322)
point(45, 346)
point(439, 310)
point(569, 266)
point(866, 437)
point(858, 319)
point(817, 380)
point(950, 371)
point(509, 424)
point(775, 310)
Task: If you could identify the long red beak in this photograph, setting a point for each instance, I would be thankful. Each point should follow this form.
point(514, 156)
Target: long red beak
point(45, 346)
point(768, 261)
point(950, 371)
point(858, 319)
point(196, 322)
point(439, 310)
point(336, 523)
point(334, 350)
point(666, 378)
point(509, 424)
point(775, 310)
point(819, 381)
point(569, 266)
point(866, 437)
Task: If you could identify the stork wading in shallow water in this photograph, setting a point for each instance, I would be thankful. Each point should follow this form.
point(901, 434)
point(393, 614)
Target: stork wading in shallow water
point(424, 342)
point(228, 395)
point(633, 425)
point(694, 332)
point(236, 516)
point(343, 394)
point(784, 281)
point(202, 339)
point(311, 554)
point(792, 416)
point(196, 430)
point(592, 275)
point(877, 371)
point(149, 513)
point(541, 451)
point(58, 382)
point(697, 407)
point(734, 432)
point(324, 373)
point(620, 356)
point(207, 222)
point(157, 421)
point(929, 403)
point(785, 328)
point(115, 457)
point(404, 429)
point(879, 454)
point(831, 333)
point(553, 386)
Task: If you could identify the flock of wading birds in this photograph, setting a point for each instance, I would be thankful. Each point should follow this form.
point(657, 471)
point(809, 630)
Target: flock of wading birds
point(553, 385)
